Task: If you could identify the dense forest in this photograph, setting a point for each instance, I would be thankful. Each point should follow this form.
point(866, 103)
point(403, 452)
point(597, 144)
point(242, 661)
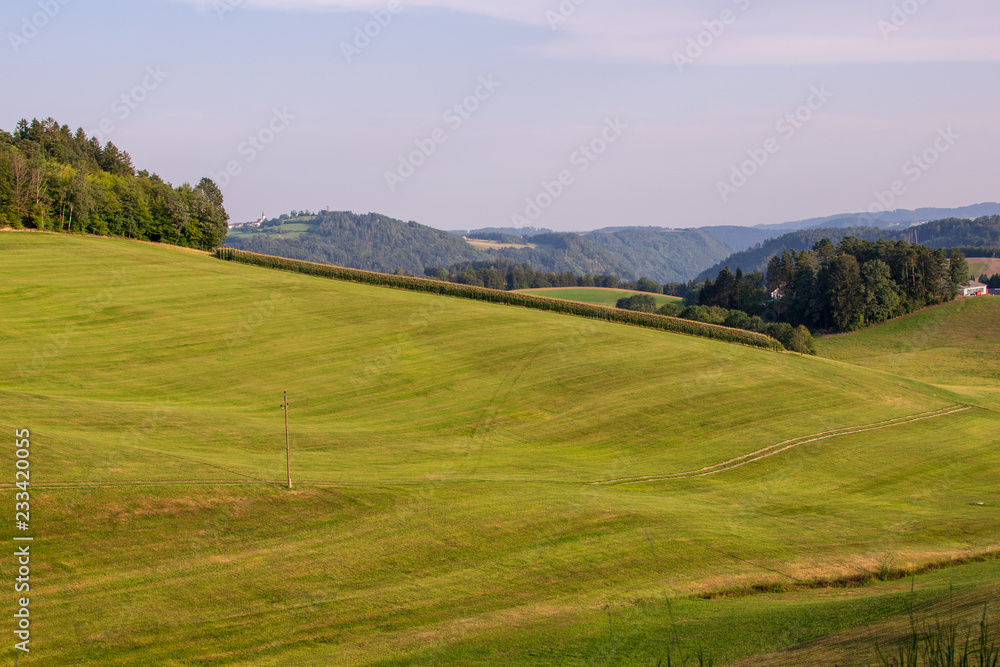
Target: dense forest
point(55, 179)
point(980, 233)
point(845, 287)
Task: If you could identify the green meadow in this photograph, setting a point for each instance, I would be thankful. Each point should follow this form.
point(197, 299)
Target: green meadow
point(955, 345)
point(598, 296)
point(448, 459)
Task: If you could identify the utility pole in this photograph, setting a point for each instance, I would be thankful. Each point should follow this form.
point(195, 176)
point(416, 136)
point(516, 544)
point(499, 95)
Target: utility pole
point(288, 455)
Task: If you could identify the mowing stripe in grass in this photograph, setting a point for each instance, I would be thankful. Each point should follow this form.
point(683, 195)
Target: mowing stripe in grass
point(780, 447)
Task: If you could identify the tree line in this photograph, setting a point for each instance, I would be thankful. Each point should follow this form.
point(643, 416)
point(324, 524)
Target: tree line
point(975, 238)
point(54, 179)
point(511, 275)
point(842, 288)
point(796, 339)
point(992, 282)
point(503, 297)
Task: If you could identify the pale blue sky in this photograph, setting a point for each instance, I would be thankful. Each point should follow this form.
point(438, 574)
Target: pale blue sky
point(225, 66)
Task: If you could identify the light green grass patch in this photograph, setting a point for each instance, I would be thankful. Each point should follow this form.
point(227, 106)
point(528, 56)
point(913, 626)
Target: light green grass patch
point(601, 297)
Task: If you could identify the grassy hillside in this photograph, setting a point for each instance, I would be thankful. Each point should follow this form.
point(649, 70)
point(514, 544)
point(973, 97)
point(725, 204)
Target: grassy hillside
point(445, 453)
point(955, 345)
point(595, 295)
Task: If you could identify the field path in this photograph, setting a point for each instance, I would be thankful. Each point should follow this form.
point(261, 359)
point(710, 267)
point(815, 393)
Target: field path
point(772, 450)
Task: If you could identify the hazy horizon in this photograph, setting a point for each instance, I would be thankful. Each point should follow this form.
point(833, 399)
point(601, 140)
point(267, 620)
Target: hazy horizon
point(562, 114)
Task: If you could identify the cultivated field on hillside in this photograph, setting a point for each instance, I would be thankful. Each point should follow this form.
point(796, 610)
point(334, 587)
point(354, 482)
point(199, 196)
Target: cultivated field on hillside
point(979, 266)
point(448, 458)
point(989, 266)
point(497, 245)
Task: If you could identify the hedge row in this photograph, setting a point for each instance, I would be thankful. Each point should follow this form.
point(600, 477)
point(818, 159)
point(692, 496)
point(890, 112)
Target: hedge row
point(646, 320)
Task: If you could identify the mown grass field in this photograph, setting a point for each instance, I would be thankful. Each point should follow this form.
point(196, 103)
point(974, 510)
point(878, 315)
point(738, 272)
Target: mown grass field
point(956, 345)
point(601, 297)
point(445, 453)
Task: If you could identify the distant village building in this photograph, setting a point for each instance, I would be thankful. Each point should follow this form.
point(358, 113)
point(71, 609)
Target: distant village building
point(975, 288)
point(238, 225)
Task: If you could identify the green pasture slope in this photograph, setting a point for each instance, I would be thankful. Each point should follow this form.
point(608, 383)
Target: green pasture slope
point(956, 345)
point(599, 297)
point(446, 454)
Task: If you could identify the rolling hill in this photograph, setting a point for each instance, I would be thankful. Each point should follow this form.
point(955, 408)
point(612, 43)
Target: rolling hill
point(473, 481)
point(898, 219)
point(663, 255)
point(981, 233)
point(376, 243)
point(370, 242)
point(955, 345)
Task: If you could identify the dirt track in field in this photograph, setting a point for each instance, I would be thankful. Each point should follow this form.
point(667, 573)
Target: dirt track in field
point(772, 450)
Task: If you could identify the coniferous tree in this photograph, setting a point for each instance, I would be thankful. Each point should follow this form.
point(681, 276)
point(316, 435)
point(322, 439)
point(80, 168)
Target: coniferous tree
point(844, 290)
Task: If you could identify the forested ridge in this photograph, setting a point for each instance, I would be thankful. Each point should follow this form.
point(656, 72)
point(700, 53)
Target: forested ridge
point(974, 237)
point(842, 287)
point(369, 242)
point(982, 233)
point(54, 179)
point(660, 254)
point(377, 243)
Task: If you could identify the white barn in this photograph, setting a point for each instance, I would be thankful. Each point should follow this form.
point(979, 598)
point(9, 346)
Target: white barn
point(974, 288)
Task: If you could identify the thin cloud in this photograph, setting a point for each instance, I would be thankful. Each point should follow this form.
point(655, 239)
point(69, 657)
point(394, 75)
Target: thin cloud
point(778, 32)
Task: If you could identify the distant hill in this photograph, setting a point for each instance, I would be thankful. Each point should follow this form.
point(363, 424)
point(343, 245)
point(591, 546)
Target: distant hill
point(898, 219)
point(955, 232)
point(741, 238)
point(519, 232)
point(371, 242)
point(558, 252)
point(756, 258)
point(662, 254)
point(377, 243)
point(983, 232)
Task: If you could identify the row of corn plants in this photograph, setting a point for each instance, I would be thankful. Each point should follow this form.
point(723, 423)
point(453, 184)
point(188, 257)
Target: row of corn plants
point(646, 320)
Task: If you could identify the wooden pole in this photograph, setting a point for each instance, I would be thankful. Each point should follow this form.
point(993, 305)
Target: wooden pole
point(288, 455)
